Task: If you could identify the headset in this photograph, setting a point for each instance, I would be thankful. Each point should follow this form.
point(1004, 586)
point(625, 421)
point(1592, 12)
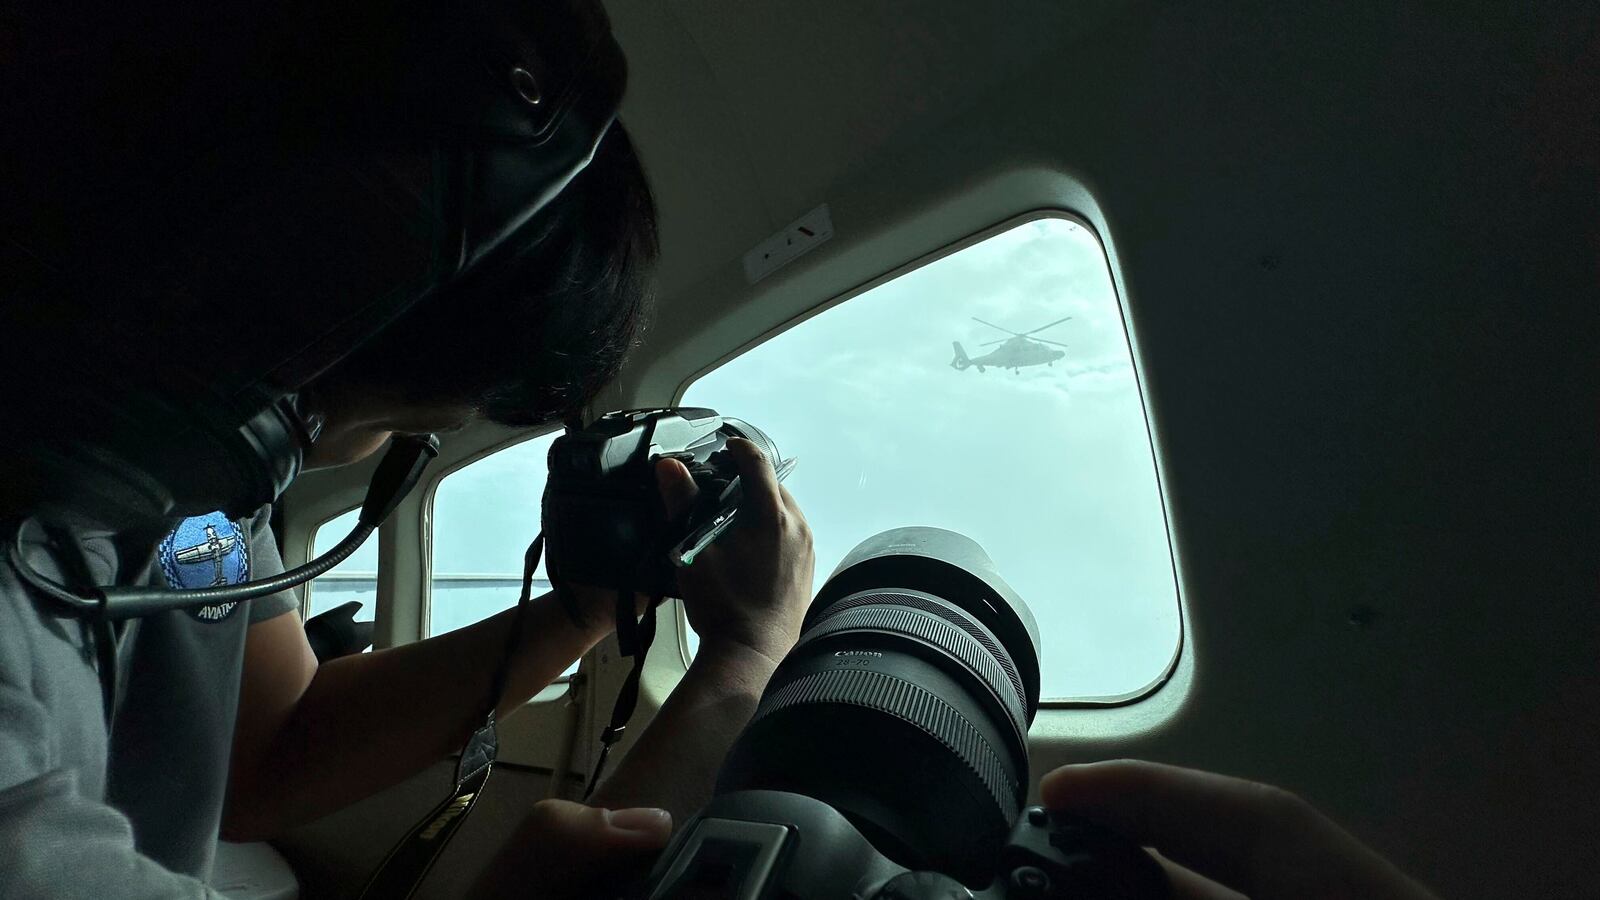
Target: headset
point(386, 149)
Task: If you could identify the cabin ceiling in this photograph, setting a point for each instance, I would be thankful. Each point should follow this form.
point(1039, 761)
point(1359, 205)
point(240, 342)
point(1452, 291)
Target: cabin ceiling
point(748, 113)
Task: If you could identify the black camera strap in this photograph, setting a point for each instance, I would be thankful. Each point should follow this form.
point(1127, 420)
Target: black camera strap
point(408, 862)
point(634, 637)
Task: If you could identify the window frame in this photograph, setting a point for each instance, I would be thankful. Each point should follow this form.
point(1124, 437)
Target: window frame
point(1166, 675)
point(310, 553)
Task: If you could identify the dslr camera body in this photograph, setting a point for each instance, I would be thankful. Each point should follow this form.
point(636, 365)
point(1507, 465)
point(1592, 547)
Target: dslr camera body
point(605, 524)
point(776, 844)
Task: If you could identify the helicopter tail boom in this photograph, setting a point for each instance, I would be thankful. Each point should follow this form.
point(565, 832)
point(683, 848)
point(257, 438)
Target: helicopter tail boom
point(961, 362)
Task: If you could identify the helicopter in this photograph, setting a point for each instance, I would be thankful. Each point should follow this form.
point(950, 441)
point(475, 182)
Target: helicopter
point(1014, 352)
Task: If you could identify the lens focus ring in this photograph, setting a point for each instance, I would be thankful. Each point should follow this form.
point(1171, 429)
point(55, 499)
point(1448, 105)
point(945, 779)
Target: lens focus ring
point(915, 600)
point(911, 704)
point(936, 631)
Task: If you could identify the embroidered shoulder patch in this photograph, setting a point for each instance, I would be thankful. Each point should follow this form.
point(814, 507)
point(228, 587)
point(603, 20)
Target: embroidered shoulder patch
point(206, 551)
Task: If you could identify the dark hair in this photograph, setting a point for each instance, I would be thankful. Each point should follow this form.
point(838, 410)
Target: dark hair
point(532, 337)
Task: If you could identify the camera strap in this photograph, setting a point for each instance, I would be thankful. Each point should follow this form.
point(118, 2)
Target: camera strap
point(408, 862)
point(634, 637)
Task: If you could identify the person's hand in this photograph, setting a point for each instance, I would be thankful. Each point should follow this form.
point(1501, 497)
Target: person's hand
point(597, 608)
point(569, 850)
point(1221, 838)
point(750, 588)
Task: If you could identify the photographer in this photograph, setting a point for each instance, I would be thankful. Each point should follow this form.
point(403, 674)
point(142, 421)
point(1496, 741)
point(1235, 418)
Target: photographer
point(310, 739)
point(222, 717)
point(306, 744)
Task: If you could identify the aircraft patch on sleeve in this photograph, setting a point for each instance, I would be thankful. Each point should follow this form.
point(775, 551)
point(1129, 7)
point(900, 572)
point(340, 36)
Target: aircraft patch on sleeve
point(206, 551)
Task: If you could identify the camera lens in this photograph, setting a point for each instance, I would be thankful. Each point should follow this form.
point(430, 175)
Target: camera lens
point(741, 428)
point(905, 705)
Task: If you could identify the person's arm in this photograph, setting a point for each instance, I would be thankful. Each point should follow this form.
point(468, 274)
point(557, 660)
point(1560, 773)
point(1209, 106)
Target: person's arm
point(746, 596)
point(311, 739)
point(674, 764)
point(1222, 838)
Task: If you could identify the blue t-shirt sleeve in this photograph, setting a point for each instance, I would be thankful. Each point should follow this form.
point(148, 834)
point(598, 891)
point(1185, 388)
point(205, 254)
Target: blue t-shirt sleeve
point(265, 562)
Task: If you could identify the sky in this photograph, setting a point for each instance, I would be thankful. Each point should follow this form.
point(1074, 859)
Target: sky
point(1048, 468)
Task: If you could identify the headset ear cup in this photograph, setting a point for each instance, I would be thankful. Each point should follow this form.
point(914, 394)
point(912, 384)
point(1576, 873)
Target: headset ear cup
point(130, 459)
point(274, 444)
point(237, 471)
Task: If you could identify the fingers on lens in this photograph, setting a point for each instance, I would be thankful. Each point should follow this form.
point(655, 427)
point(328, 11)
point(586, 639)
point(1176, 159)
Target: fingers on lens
point(759, 482)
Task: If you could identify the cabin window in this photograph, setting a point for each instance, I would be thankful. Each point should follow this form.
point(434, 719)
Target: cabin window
point(484, 516)
point(354, 579)
point(991, 391)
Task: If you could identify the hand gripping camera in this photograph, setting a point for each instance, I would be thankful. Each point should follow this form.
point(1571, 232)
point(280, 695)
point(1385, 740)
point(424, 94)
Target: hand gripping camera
point(888, 756)
point(605, 524)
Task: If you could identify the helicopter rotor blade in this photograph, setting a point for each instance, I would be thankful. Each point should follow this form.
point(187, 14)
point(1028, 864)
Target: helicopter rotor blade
point(993, 325)
point(1043, 327)
point(997, 341)
point(1046, 341)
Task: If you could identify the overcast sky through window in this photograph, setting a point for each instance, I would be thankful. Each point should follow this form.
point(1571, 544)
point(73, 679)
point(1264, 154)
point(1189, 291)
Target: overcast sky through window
point(1049, 467)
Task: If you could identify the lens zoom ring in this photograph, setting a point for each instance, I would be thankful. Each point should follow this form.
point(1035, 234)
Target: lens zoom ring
point(910, 703)
point(936, 631)
point(943, 612)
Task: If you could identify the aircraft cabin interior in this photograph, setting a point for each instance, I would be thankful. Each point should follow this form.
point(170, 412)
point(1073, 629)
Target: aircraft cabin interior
point(1252, 342)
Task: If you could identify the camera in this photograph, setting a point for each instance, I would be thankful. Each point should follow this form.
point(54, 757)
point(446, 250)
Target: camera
point(605, 523)
point(888, 758)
